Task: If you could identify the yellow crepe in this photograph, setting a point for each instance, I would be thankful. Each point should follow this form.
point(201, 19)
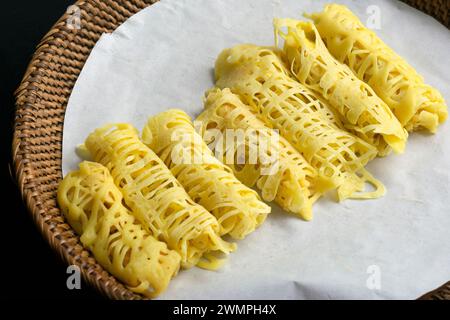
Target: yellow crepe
point(365, 114)
point(92, 205)
point(208, 181)
point(156, 197)
point(258, 75)
point(415, 104)
point(278, 170)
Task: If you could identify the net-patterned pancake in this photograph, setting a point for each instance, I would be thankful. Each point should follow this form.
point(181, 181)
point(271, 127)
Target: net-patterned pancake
point(92, 204)
point(156, 197)
point(365, 114)
point(270, 162)
point(415, 104)
point(208, 181)
point(258, 75)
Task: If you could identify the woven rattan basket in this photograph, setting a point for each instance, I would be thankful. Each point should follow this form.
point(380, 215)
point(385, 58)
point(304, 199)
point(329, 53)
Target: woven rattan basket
point(41, 101)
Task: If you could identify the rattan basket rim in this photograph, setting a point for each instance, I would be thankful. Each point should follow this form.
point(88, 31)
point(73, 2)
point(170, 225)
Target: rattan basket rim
point(41, 100)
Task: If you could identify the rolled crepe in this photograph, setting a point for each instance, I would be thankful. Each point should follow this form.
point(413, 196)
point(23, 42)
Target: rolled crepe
point(156, 198)
point(364, 113)
point(259, 77)
point(415, 104)
point(208, 181)
point(271, 163)
point(92, 205)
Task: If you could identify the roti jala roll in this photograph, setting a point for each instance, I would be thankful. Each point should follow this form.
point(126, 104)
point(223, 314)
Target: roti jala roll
point(92, 204)
point(208, 181)
point(268, 161)
point(259, 77)
point(156, 197)
point(363, 112)
point(416, 105)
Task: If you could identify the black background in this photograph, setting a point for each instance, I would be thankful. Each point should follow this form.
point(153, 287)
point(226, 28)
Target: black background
point(29, 268)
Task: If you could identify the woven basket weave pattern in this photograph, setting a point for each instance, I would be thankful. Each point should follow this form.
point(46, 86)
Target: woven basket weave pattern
point(440, 9)
point(41, 100)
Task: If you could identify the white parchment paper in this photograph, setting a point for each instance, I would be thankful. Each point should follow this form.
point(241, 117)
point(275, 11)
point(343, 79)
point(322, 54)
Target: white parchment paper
point(391, 248)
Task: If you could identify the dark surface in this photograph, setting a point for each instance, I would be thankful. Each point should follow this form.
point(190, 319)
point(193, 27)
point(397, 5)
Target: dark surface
point(29, 268)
